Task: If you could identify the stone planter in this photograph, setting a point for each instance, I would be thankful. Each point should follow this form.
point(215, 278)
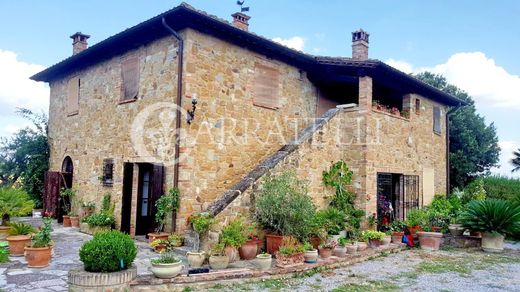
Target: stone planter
point(397, 237)
point(38, 257)
point(311, 256)
point(273, 243)
point(325, 252)
point(386, 241)
point(4, 230)
point(166, 271)
point(232, 253)
point(264, 261)
point(285, 261)
point(17, 244)
point(352, 248)
point(195, 259)
point(66, 221)
point(429, 240)
point(456, 229)
point(362, 246)
point(161, 235)
point(249, 250)
point(492, 242)
point(374, 243)
point(218, 262)
point(340, 252)
point(80, 280)
point(74, 221)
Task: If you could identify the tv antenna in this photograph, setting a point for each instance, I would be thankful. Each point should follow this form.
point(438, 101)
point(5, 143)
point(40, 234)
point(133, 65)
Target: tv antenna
point(241, 4)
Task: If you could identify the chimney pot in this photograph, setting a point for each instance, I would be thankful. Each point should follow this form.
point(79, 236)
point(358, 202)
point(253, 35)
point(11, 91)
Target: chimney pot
point(79, 42)
point(360, 45)
point(240, 20)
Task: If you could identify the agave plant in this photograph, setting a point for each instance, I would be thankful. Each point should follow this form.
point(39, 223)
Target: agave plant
point(493, 216)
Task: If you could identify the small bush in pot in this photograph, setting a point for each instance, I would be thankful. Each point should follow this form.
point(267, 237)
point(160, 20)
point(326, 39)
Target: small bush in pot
point(291, 253)
point(310, 253)
point(341, 249)
point(494, 218)
point(326, 248)
point(19, 237)
point(166, 266)
point(165, 205)
point(233, 236)
point(218, 259)
point(38, 254)
point(374, 237)
point(108, 251)
point(397, 227)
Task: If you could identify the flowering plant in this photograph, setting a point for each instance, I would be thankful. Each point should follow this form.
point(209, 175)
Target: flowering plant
point(331, 243)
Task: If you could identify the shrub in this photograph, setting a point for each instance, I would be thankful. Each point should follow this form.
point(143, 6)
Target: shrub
point(4, 252)
point(499, 187)
point(43, 237)
point(14, 202)
point(372, 234)
point(99, 219)
point(308, 247)
point(233, 234)
point(416, 217)
point(20, 228)
point(290, 245)
point(284, 207)
point(492, 215)
point(108, 252)
point(201, 222)
point(474, 191)
point(397, 225)
point(331, 219)
point(165, 205)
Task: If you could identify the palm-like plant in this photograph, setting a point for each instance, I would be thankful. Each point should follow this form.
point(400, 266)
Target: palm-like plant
point(492, 216)
point(516, 160)
point(14, 202)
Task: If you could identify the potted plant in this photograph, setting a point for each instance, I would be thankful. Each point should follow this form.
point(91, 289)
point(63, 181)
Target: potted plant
point(414, 219)
point(218, 258)
point(494, 219)
point(264, 261)
point(13, 202)
point(74, 217)
point(429, 239)
point(67, 195)
point(165, 205)
point(325, 249)
point(166, 266)
point(456, 228)
point(283, 208)
point(38, 254)
point(372, 222)
point(374, 237)
point(253, 244)
point(397, 227)
point(234, 236)
point(290, 254)
point(19, 237)
point(387, 239)
point(169, 244)
point(310, 253)
point(332, 220)
point(341, 249)
point(351, 246)
point(201, 223)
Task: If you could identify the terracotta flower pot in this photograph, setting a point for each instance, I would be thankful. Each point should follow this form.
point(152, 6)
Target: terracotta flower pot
point(17, 244)
point(4, 230)
point(374, 243)
point(249, 250)
point(66, 221)
point(74, 221)
point(218, 262)
point(491, 242)
point(311, 256)
point(325, 252)
point(429, 240)
point(161, 235)
point(232, 253)
point(283, 260)
point(397, 237)
point(273, 243)
point(38, 257)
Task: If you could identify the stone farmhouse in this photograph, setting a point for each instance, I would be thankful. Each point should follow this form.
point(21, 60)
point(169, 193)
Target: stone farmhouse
point(246, 106)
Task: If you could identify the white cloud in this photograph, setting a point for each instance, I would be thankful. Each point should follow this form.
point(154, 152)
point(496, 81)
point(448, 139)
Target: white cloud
point(506, 154)
point(400, 65)
point(17, 90)
point(295, 42)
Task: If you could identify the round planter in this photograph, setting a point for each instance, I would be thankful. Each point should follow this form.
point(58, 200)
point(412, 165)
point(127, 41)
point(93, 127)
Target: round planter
point(429, 240)
point(352, 248)
point(492, 242)
point(248, 251)
point(195, 259)
point(340, 251)
point(17, 244)
point(397, 237)
point(80, 280)
point(325, 252)
point(284, 261)
point(386, 241)
point(218, 262)
point(311, 256)
point(362, 246)
point(66, 221)
point(161, 235)
point(4, 230)
point(38, 257)
point(273, 243)
point(74, 221)
point(374, 243)
point(264, 261)
point(456, 229)
point(232, 253)
point(166, 271)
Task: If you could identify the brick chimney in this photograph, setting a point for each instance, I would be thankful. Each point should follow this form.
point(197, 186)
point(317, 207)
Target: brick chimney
point(240, 20)
point(360, 45)
point(79, 42)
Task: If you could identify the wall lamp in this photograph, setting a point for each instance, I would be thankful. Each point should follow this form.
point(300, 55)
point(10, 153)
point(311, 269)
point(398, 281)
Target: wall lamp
point(191, 113)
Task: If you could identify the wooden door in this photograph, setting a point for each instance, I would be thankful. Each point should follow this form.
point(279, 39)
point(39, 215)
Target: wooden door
point(51, 193)
point(151, 180)
point(126, 207)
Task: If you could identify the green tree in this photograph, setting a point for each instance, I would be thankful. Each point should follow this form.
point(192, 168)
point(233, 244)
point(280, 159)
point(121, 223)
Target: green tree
point(516, 161)
point(24, 157)
point(473, 144)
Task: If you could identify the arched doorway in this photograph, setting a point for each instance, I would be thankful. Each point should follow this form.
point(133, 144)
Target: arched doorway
point(67, 166)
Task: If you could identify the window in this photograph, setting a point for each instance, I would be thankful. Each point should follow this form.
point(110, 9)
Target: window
point(73, 96)
point(417, 106)
point(130, 75)
point(266, 85)
point(108, 172)
point(436, 120)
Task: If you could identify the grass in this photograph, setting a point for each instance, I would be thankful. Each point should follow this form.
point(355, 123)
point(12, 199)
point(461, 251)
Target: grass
point(310, 272)
point(375, 286)
point(408, 275)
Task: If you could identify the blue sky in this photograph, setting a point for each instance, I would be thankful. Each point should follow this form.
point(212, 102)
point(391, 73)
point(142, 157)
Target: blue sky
point(474, 43)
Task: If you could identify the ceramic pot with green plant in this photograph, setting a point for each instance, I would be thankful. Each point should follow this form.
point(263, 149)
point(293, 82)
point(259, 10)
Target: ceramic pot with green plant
point(326, 248)
point(352, 246)
point(397, 227)
point(13, 202)
point(233, 236)
point(218, 259)
point(165, 205)
point(310, 253)
point(67, 196)
point(455, 227)
point(387, 239)
point(374, 237)
point(38, 254)
point(19, 237)
point(264, 261)
point(166, 266)
point(494, 219)
point(341, 248)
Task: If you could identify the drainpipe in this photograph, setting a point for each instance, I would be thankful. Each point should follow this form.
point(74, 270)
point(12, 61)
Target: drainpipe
point(180, 43)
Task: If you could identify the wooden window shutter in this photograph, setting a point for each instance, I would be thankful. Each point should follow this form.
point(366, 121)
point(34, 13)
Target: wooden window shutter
point(436, 119)
point(266, 86)
point(130, 75)
point(73, 96)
